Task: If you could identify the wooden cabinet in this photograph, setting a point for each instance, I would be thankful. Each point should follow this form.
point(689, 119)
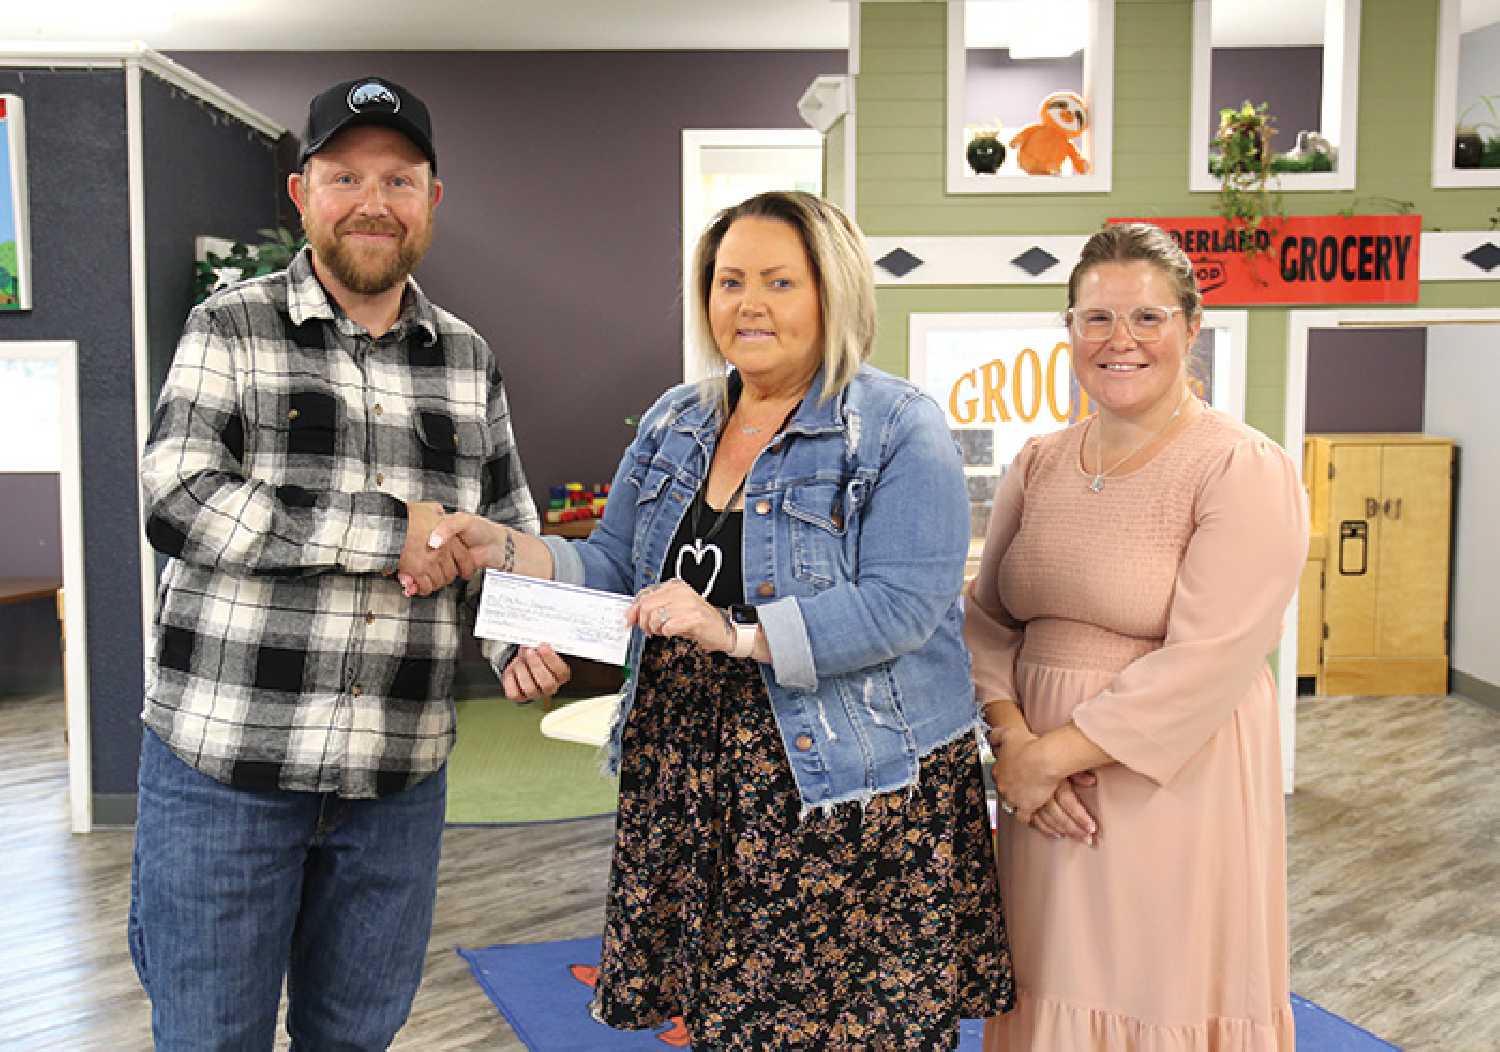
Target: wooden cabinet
point(1310, 609)
point(1382, 504)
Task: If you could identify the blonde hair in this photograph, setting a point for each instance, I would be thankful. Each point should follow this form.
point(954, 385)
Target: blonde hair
point(1140, 243)
point(841, 268)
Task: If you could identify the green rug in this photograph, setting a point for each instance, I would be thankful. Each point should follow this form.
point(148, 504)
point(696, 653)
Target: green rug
point(504, 771)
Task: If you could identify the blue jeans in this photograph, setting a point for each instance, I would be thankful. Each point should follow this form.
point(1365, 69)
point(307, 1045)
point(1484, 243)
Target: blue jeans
point(233, 890)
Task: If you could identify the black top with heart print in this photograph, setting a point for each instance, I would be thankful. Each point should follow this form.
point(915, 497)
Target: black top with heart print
point(709, 560)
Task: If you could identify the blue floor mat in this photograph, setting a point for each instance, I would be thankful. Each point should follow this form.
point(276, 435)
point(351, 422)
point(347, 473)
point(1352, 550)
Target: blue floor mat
point(543, 990)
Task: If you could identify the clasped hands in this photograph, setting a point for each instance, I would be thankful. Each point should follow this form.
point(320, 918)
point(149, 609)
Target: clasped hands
point(1042, 800)
point(441, 548)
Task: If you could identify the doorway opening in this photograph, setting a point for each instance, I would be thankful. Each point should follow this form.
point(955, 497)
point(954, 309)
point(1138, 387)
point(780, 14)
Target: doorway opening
point(1411, 592)
point(39, 463)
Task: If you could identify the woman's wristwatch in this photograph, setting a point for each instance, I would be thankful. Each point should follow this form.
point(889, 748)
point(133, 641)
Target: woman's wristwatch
point(743, 621)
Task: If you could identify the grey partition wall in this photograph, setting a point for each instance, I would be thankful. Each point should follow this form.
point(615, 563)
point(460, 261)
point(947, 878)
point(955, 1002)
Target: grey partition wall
point(98, 267)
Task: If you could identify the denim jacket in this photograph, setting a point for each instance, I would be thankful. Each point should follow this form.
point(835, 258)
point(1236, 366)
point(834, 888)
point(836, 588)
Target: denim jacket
point(856, 529)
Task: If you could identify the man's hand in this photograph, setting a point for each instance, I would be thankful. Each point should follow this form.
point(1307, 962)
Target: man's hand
point(535, 672)
point(424, 569)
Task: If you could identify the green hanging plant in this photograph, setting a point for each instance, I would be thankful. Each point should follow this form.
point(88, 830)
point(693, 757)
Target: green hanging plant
point(245, 261)
point(1243, 163)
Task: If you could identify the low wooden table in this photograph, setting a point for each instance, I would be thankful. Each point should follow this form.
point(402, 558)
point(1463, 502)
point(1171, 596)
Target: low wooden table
point(25, 589)
point(576, 530)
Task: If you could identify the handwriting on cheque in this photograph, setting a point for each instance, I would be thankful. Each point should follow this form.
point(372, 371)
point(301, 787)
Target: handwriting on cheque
point(583, 622)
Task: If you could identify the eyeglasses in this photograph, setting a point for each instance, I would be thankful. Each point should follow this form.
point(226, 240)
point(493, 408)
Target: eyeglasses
point(1146, 324)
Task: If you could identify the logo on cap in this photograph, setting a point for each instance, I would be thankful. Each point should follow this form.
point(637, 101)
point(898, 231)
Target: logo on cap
point(370, 93)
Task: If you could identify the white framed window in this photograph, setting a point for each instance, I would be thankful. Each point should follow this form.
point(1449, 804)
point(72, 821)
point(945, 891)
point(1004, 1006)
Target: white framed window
point(1001, 378)
point(1006, 58)
point(1301, 57)
point(1466, 101)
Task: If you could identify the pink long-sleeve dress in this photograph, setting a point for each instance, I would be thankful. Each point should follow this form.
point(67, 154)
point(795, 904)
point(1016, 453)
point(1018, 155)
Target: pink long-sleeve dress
point(1144, 613)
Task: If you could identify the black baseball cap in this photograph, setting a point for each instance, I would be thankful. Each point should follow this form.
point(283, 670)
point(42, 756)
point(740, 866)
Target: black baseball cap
point(367, 100)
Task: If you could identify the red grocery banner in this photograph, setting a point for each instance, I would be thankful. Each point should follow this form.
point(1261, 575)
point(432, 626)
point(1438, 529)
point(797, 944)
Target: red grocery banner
point(1301, 259)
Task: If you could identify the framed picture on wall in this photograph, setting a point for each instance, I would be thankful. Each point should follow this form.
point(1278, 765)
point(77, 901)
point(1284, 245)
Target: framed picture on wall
point(15, 241)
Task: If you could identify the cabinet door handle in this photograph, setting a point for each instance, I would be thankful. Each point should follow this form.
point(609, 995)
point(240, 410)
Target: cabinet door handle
point(1393, 508)
point(1372, 507)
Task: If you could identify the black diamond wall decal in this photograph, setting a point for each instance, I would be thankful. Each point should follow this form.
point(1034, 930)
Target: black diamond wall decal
point(1035, 260)
point(1486, 257)
point(899, 262)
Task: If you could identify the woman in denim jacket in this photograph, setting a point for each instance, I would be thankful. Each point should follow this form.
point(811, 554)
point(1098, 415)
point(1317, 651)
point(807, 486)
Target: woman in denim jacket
point(802, 853)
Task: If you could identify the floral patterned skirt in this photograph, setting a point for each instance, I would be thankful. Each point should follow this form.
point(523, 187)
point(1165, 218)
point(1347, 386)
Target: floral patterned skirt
point(868, 928)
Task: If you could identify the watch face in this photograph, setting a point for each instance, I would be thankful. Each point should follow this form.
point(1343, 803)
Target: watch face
point(741, 614)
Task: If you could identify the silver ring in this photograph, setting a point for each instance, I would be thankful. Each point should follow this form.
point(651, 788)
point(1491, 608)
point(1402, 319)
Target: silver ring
point(661, 618)
point(1006, 806)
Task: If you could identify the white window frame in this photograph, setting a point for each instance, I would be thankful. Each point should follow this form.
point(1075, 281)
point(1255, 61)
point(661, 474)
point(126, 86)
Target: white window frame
point(1098, 93)
point(1445, 108)
point(1340, 112)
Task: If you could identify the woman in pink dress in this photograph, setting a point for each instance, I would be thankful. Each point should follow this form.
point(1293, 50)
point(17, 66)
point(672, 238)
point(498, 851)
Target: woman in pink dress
point(1135, 575)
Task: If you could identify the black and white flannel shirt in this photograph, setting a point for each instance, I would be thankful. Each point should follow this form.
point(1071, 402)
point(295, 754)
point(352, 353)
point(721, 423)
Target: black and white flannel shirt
point(283, 450)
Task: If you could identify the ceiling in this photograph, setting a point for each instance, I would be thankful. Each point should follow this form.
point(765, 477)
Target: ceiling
point(437, 25)
point(555, 25)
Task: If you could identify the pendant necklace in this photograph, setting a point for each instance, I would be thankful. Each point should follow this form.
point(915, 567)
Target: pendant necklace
point(1096, 482)
point(702, 548)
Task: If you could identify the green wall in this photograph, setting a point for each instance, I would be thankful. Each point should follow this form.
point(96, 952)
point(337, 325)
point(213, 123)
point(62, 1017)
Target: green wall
point(901, 111)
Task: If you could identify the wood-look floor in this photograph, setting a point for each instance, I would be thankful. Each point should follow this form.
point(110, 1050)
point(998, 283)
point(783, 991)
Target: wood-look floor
point(1394, 865)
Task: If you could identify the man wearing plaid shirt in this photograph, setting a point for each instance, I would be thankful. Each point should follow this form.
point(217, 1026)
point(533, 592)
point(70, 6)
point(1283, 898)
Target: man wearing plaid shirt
point(315, 426)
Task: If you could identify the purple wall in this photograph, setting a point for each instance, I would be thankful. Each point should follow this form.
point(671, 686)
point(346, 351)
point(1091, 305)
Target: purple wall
point(1366, 379)
point(1290, 79)
point(559, 235)
point(33, 533)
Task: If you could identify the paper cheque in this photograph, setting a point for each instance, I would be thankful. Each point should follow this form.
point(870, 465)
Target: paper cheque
point(583, 622)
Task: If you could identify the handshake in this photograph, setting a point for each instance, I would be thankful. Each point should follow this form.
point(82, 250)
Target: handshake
point(441, 548)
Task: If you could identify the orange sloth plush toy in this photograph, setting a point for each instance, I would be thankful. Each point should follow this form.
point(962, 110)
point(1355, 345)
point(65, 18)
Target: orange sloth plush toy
point(1042, 148)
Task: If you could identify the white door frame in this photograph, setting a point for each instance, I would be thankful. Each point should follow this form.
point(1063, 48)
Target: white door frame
point(694, 142)
point(1300, 324)
point(64, 353)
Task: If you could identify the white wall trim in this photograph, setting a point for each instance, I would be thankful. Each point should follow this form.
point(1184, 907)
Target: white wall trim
point(28, 54)
point(979, 260)
point(1300, 324)
point(75, 604)
point(1442, 253)
point(135, 152)
point(1339, 114)
point(1098, 94)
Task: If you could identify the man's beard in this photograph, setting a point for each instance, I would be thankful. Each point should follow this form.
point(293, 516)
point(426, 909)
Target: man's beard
point(369, 274)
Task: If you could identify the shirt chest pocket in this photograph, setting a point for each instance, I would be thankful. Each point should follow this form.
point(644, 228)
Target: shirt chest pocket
point(298, 440)
point(652, 484)
point(449, 459)
point(824, 515)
